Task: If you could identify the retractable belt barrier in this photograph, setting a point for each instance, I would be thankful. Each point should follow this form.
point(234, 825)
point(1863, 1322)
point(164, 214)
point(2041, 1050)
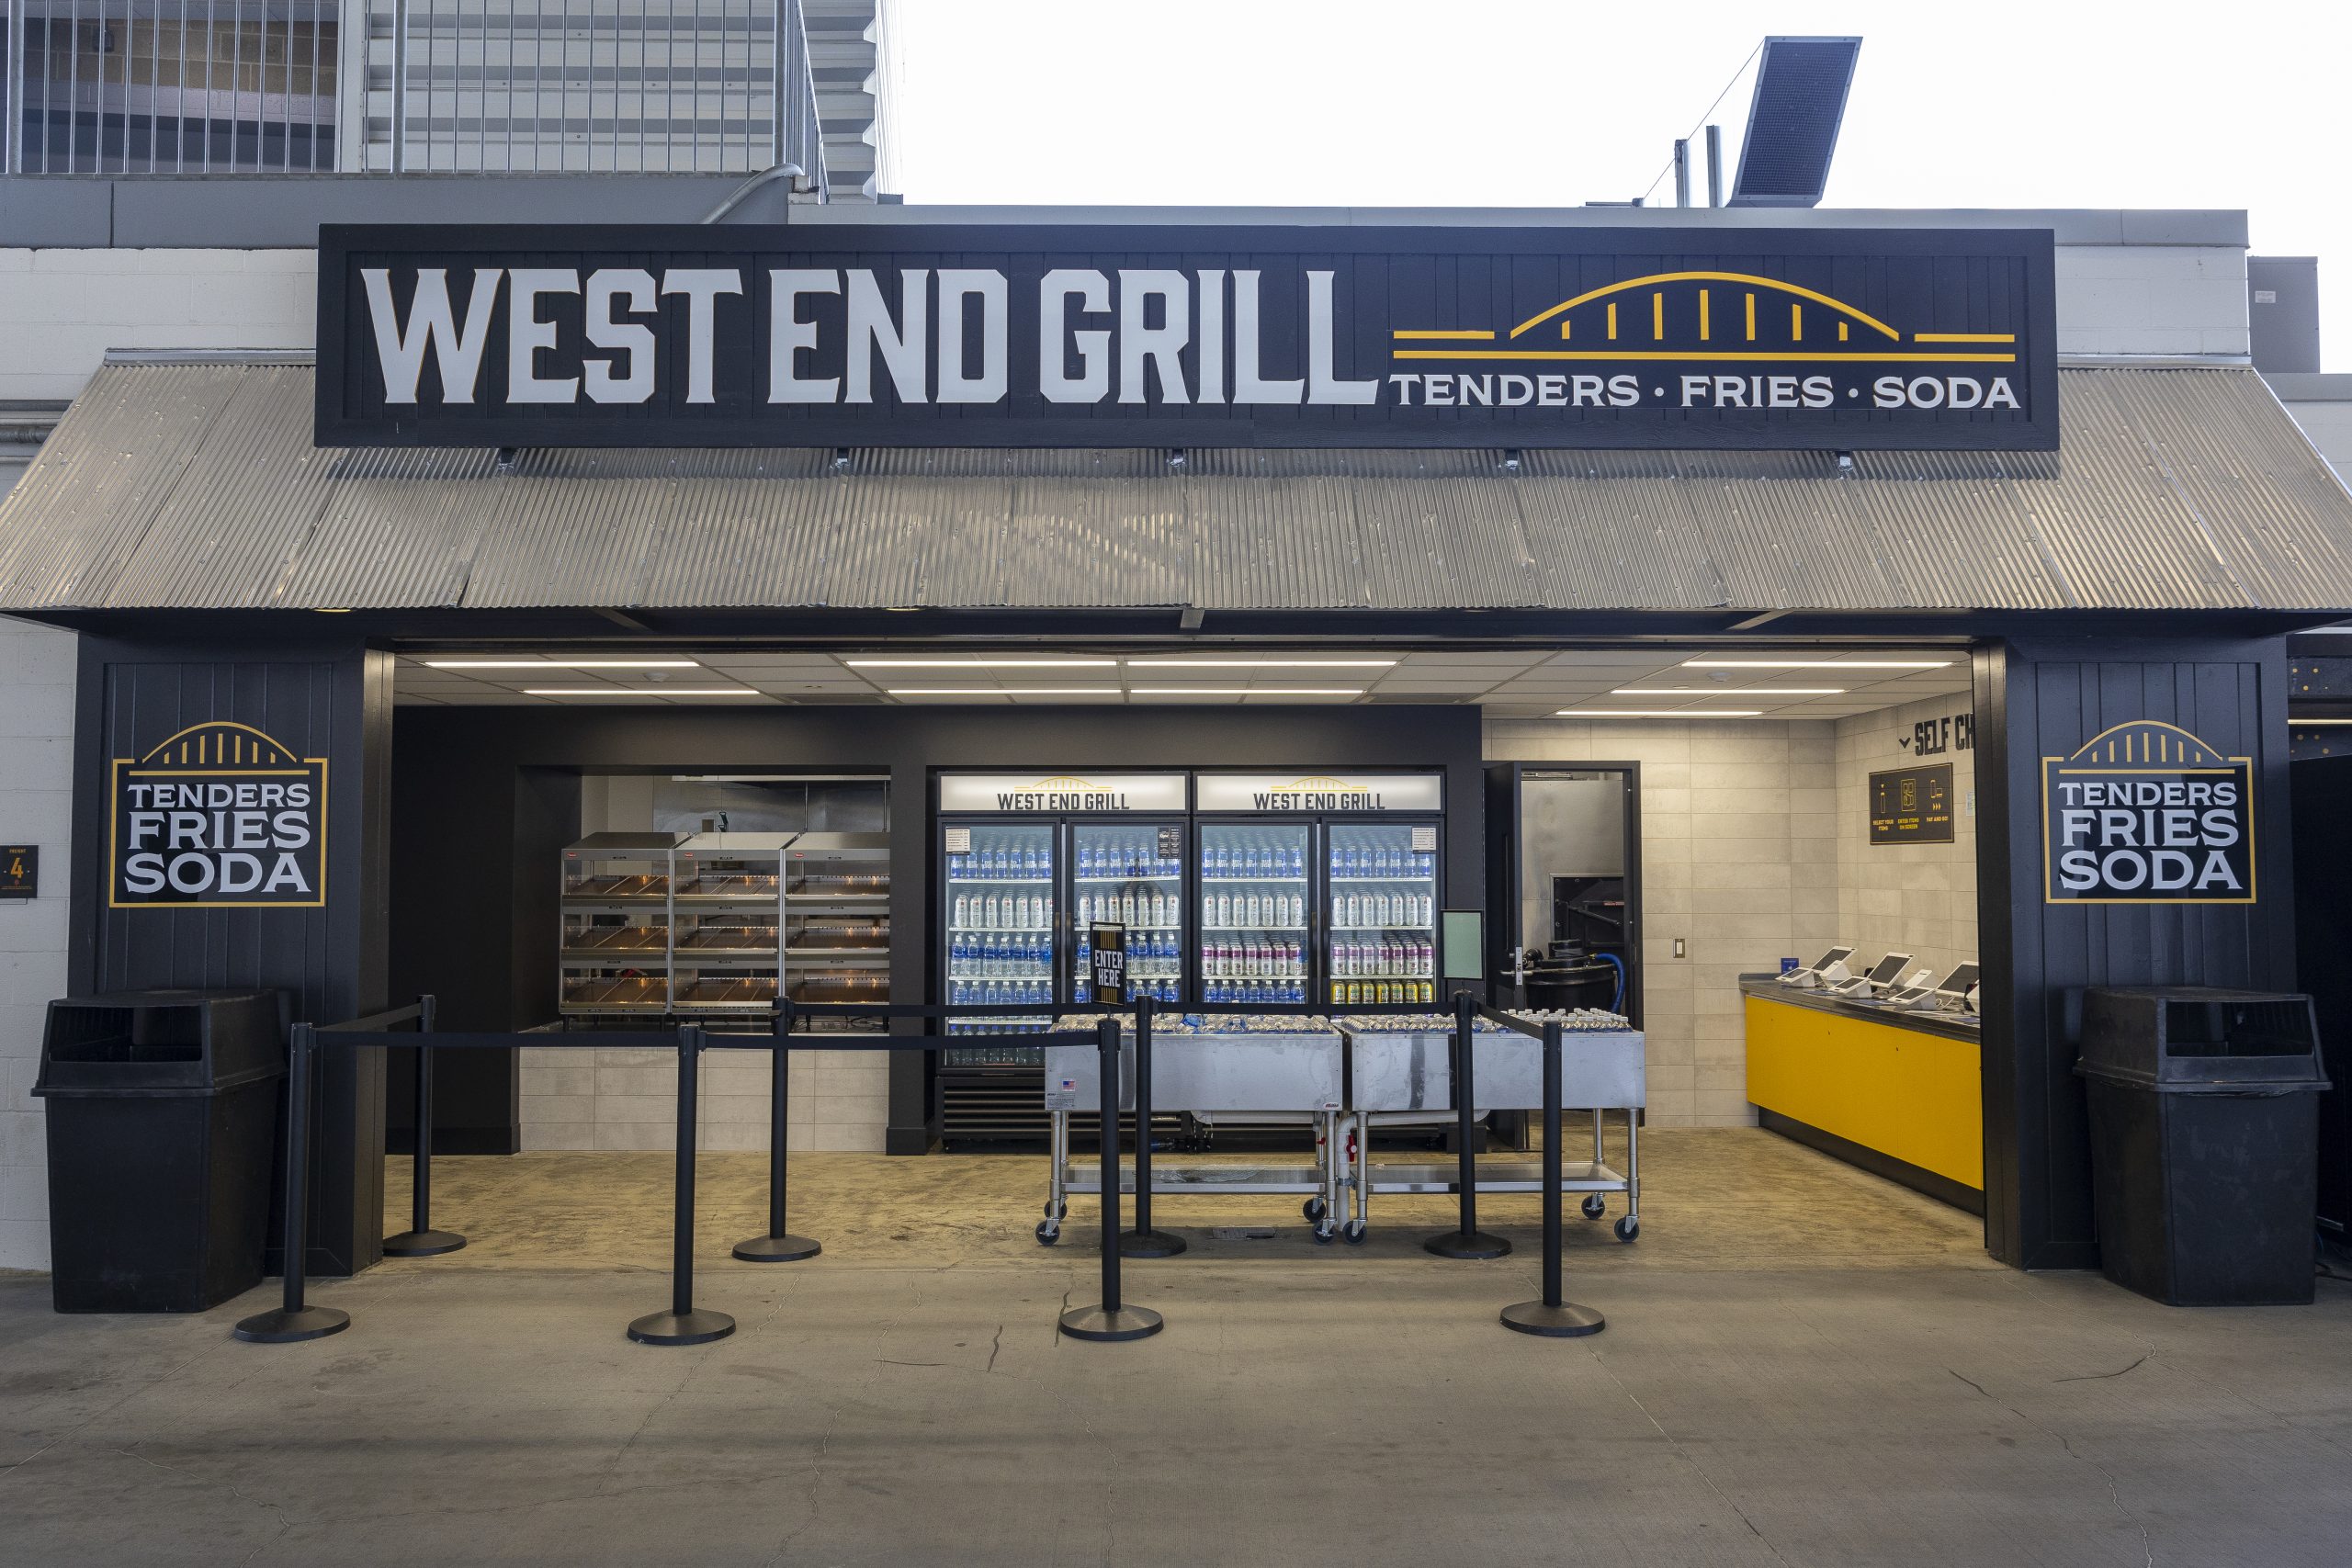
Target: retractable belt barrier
point(1111, 1318)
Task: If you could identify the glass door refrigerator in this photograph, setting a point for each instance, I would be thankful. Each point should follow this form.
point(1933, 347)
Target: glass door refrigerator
point(1319, 892)
point(1025, 864)
point(1129, 872)
point(998, 899)
point(1380, 901)
point(1256, 898)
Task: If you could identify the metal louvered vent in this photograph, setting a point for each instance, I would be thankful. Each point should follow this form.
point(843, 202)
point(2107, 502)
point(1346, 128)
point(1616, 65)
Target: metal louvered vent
point(171, 86)
point(1792, 120)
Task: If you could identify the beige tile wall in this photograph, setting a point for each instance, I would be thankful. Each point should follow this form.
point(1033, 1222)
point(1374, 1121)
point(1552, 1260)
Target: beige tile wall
point(1919, 898)
point(627, 1099)
point(1739, 859)
point(1756, 847)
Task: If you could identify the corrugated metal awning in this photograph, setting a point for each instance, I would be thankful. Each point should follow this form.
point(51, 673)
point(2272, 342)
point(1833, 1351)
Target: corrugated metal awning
point(195, 486)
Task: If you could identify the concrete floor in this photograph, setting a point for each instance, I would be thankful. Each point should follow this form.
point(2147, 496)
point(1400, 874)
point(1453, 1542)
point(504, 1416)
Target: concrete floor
point(904, 1399)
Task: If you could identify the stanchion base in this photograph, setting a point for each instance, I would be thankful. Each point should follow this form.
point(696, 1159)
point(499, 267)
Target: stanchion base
point(279, 1327)
point(699, 1326)
point(1566, 1321)
point(422, 1243)
point(1466, 1244)
point(1150, 1244)
point(1126, 1323)
point(778, 1249)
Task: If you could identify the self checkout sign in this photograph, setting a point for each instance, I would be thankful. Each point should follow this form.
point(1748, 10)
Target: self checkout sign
point(2146, 813)
point(1110, 947)
point(219, 815)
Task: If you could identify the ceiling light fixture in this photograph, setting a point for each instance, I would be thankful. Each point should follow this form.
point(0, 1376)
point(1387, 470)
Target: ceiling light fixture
point(1248, 690)
point(641, 692)
point(1179, 663)
point(1728, 692)
point(981, 663)
point(562, 664)
point(1660, 713)
point(1818, 663)
point(1004, 691)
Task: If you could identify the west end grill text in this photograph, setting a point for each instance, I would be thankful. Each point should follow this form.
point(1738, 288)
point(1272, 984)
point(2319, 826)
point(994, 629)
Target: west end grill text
point(1134, 336)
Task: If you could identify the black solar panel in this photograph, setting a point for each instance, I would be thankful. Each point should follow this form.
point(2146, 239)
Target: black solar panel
point(1792, 122)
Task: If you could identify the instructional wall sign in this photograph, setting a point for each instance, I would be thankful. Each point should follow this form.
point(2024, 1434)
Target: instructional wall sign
point(1098, 335)
point(2146, 813)
point(1912, 805)
point(219, 815)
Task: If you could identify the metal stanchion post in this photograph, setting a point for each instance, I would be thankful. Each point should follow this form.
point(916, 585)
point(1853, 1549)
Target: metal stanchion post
point(1112, 1319)
point(294, 1319)
point(684, 1324)
point(1552, 1317)
point(779, 1245)
point(1467, 1240)
point(421, 1240)
point(1143, 1241)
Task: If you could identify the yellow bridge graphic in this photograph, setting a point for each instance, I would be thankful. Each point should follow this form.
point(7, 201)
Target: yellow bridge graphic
point(1748, 318)
point(218, 743)
point(2149, 741)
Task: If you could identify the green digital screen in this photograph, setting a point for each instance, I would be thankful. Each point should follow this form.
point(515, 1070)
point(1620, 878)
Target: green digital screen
point(1462, 945)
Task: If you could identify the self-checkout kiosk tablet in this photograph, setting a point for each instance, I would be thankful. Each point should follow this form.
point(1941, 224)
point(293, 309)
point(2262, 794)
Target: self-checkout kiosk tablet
point(1884, 972)
point(1829, 967)
point(1952, 990)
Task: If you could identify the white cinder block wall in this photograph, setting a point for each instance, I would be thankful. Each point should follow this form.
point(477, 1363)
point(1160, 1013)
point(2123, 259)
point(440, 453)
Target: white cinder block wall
point(35, 808)
point(62, 311)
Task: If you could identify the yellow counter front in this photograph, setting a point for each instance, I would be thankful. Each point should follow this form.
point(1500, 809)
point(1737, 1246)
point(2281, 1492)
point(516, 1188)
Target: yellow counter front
point(1898, 1094)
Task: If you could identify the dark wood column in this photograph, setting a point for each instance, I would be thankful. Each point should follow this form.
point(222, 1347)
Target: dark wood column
point(326, 699)
point(2045, 697)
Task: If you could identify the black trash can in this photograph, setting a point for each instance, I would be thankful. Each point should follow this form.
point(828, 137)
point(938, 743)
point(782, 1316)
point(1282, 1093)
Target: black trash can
point(2204, 1108)
point(163, 1120)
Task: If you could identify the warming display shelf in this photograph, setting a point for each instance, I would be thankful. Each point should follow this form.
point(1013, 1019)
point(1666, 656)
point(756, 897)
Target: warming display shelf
point(726, 922)
point(717, 924)
point(836, 921)
point(615, 903)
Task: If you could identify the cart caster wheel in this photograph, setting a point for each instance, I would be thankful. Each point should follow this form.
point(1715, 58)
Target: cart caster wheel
point(1047, 1233)
point(1324, 1236)
point(1312, 1209)
point(1628, 1228)
point(1352, 1232)
point(1593, 1207)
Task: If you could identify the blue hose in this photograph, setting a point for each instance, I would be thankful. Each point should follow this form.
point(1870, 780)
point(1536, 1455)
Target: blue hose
point(1617, 1003)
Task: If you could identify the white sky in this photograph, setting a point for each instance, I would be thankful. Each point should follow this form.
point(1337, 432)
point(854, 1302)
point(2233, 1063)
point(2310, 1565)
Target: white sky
point(2062, 103)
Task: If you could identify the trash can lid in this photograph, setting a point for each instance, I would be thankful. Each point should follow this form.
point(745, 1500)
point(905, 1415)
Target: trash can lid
point(2200, 1039)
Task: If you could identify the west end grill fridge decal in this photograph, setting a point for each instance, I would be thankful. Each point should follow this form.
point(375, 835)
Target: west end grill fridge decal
point(2146, 813)
point(218, 816)
point(1074, 335)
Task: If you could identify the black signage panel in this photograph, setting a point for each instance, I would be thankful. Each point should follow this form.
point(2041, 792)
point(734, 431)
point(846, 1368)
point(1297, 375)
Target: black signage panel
point(19, 871)
point(1092, 335)
point(1109, 943)
point(218, 816)
point(1912, 805)
point(2146, 813)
